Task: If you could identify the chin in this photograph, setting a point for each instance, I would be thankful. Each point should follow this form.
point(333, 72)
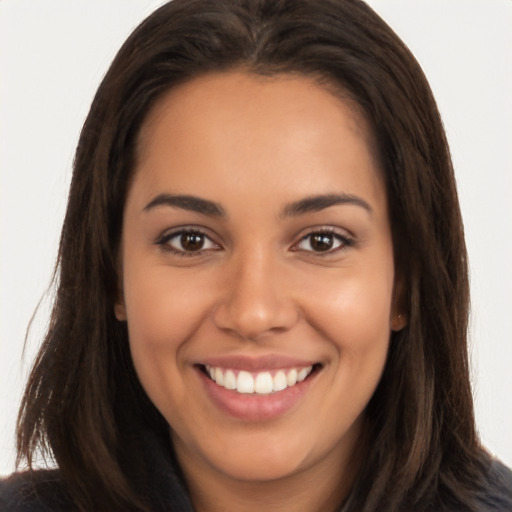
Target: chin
point(261, 465)
point(256, 455)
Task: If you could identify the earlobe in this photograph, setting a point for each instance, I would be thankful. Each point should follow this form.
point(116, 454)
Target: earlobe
point(119, 305)
point(398, 322)
point(398, 319)
point(120, 310)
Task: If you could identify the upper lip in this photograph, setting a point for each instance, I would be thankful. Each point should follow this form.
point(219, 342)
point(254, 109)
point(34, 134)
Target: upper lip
point(260, 363)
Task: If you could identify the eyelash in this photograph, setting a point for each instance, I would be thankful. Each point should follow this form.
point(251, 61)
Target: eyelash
point(164, 240)
point(344, 241)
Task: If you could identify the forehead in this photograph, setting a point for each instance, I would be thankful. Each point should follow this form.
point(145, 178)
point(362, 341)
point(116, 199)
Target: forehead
point(263, 130)
point(239, 92)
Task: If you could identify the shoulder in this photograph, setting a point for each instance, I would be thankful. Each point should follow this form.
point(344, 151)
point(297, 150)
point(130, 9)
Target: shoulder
point(498, 493)
point(33, 491)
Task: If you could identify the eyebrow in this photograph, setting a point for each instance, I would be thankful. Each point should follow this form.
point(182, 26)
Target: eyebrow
point(321, 202)
point(186, 202)
point(210, 208)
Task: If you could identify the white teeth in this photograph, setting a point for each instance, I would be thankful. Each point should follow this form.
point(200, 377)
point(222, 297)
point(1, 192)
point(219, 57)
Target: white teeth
point(291, 378)
point(219, 377)
point(230, 380)
point(302, 374)
point(244, 383)
point(279, 382)
point(261, 382)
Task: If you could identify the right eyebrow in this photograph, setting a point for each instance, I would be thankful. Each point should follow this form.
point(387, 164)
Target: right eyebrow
point(186, 202)
point(323, 201)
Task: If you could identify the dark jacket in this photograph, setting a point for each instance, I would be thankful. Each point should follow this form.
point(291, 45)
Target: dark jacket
point(44, 490)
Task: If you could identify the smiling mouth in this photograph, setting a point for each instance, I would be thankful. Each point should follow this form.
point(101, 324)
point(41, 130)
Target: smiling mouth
point(258, 383)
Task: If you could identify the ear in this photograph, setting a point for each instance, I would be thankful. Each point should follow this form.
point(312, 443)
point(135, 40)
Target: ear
point(398, 318)
point(120, 309)
point(119, 305)
point(398, 322)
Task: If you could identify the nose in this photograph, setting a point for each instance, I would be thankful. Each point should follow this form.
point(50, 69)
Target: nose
point(256, 299)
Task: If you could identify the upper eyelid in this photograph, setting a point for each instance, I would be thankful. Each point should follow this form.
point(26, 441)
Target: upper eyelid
point(171, 232)
point(348, 240)
point(163, 242)
point(341, 232)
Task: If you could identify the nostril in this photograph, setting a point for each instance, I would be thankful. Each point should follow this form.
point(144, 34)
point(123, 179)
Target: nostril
point(251, 318)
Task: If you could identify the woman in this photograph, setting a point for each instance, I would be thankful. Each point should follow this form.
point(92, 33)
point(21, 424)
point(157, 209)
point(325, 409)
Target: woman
point(263, 287)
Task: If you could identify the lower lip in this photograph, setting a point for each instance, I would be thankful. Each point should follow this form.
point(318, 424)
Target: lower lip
point(255, 407)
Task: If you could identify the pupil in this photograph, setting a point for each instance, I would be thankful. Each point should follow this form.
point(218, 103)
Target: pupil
point(321, 242)
point(192, 241)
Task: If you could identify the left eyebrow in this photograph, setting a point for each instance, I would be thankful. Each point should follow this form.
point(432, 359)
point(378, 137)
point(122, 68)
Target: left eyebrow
point(321, 202)
point(186, 202)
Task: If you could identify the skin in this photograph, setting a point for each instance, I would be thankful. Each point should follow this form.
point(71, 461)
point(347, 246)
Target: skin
point(254, 145)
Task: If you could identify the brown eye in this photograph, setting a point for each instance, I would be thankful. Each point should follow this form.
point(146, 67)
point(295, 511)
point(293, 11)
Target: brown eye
point(187, 242)
point(321, 242)
point(192, 241)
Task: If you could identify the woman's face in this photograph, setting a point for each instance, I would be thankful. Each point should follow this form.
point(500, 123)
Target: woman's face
point(257, 274)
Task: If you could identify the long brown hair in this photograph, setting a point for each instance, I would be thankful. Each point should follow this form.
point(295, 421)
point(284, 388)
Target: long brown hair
point(422, 447)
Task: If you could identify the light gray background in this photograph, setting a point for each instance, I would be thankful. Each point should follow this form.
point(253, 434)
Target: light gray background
point(53, 54)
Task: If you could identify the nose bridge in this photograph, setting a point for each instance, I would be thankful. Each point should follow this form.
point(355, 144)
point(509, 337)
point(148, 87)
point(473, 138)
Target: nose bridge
point(256, 299)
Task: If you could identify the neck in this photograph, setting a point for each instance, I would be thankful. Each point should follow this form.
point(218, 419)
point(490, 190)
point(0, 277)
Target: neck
point(272, 496)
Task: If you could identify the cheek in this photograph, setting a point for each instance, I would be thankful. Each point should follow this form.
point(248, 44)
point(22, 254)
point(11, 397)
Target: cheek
point(357, 323)
point(162, 314)
point(354, 316)
point(163, 307)
point(353, 309)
